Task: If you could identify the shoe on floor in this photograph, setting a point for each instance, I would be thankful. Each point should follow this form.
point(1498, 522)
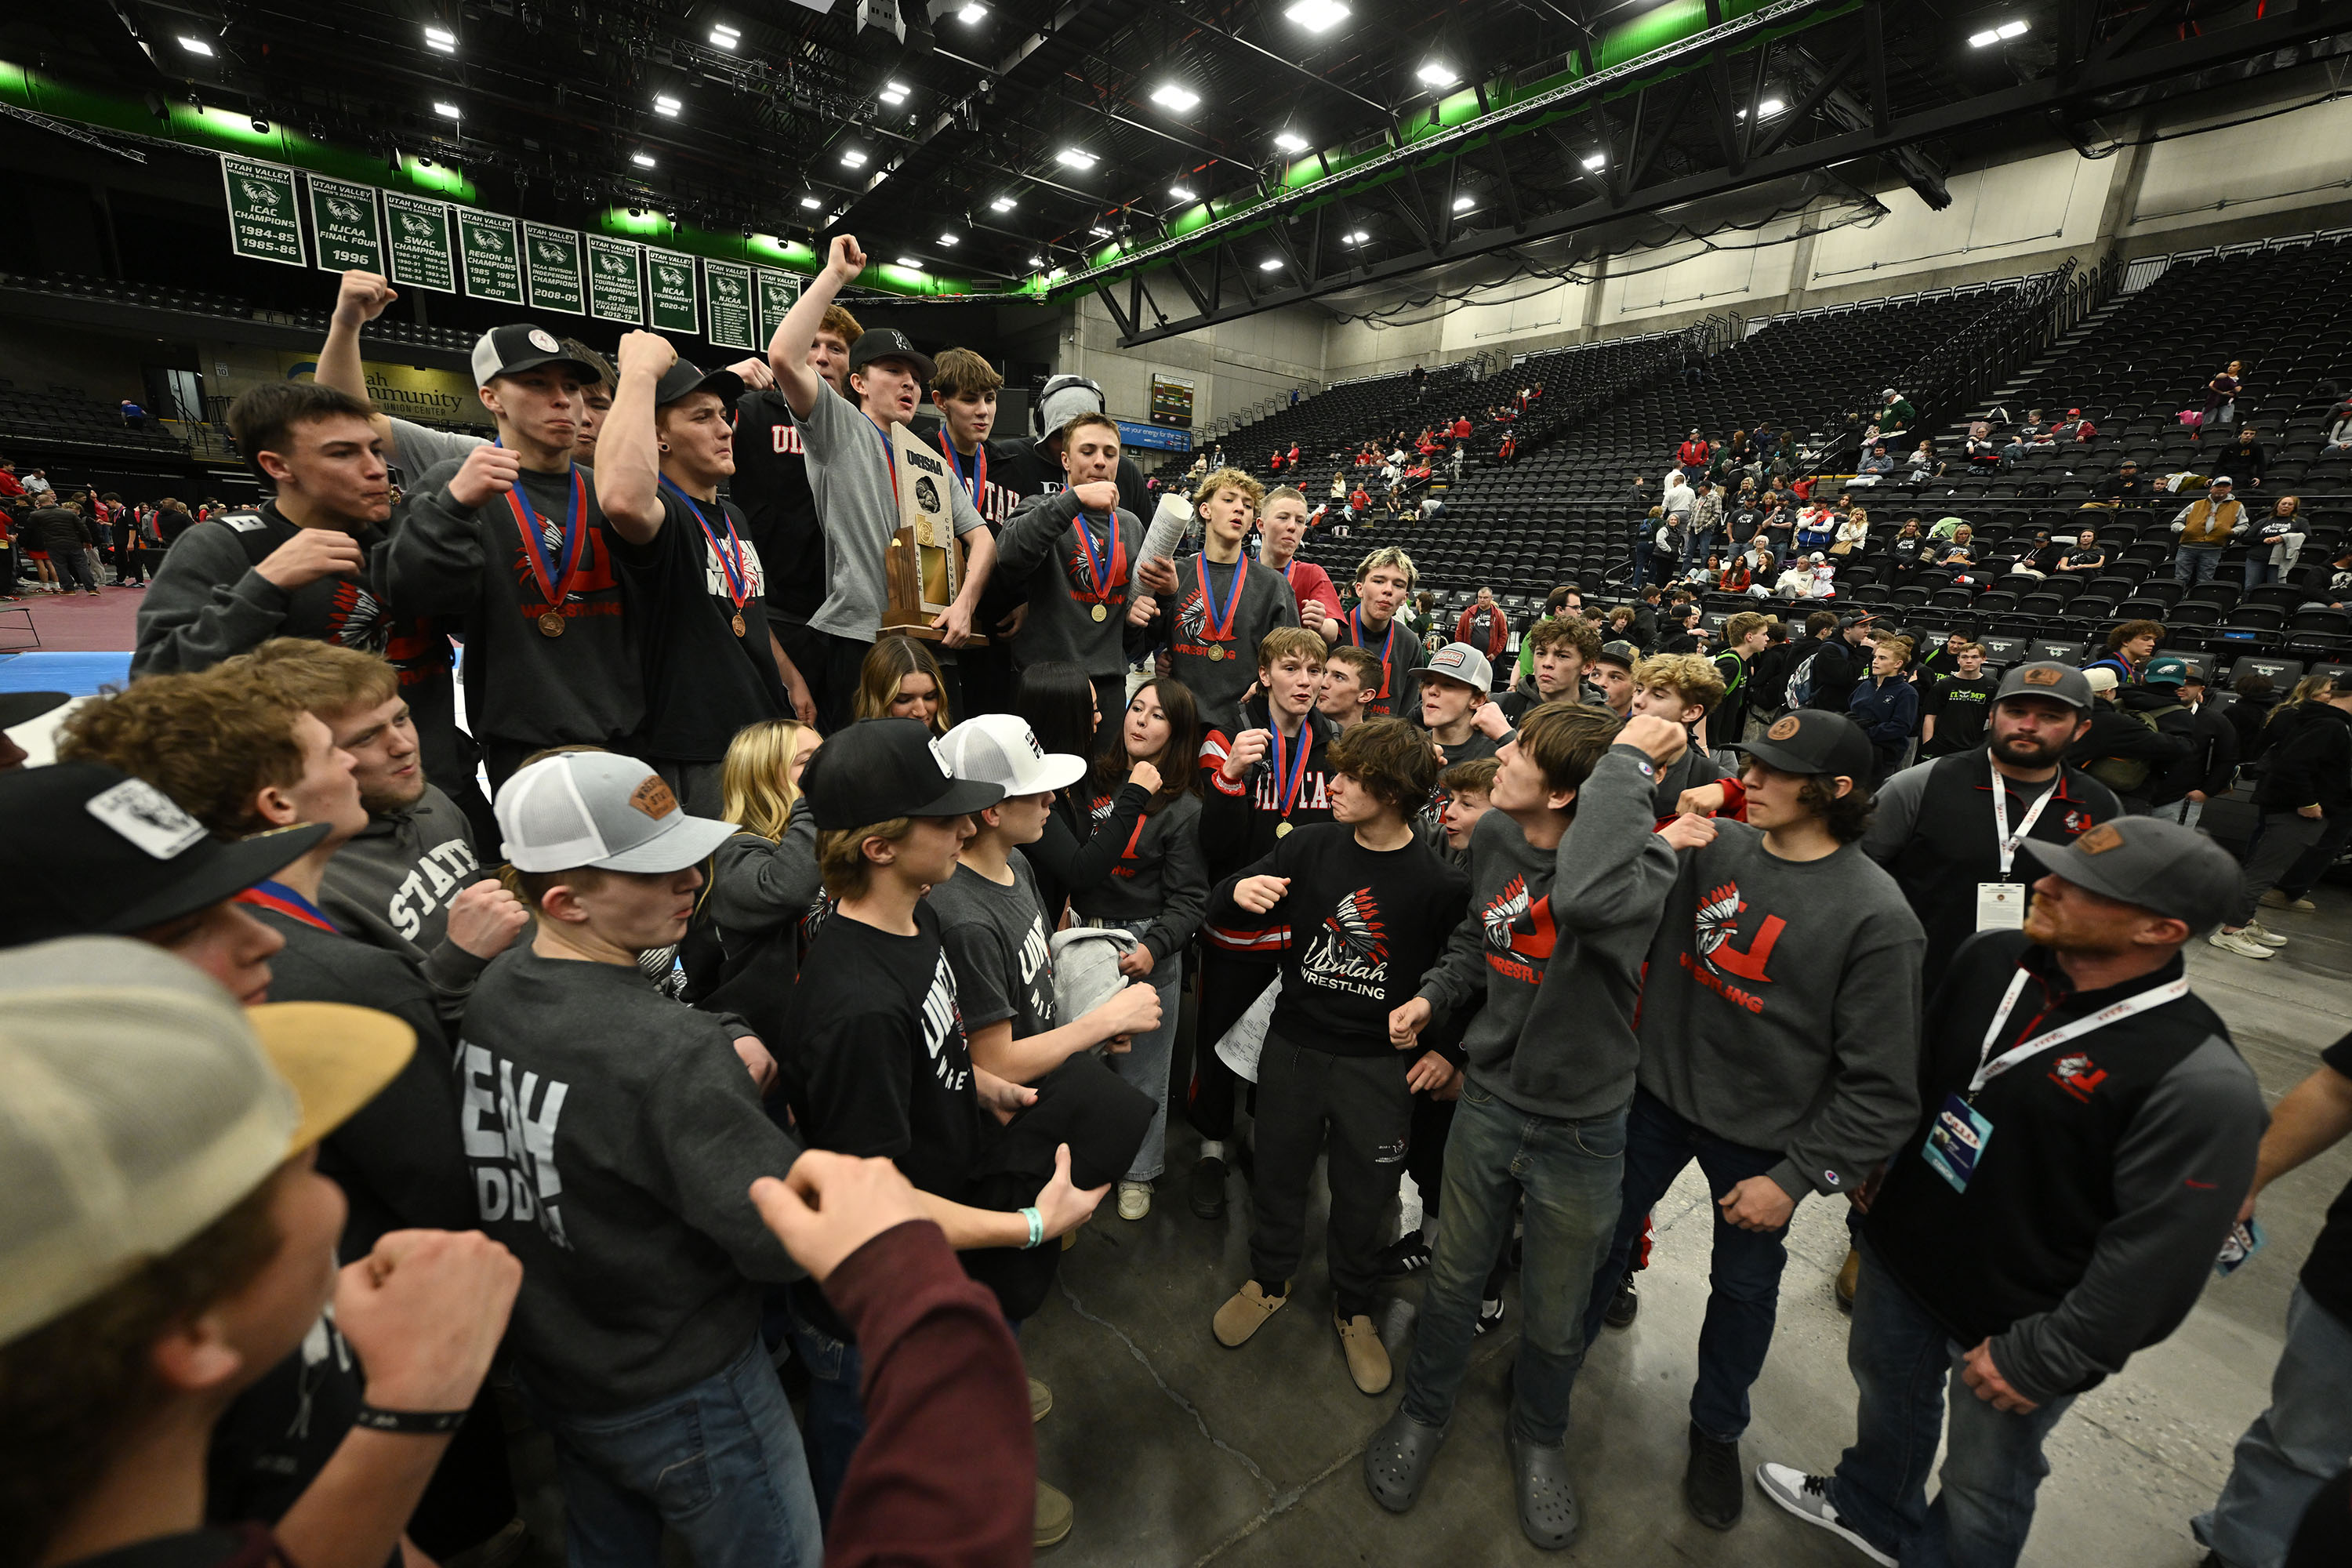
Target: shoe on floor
point(1246, 1313)
point(1134, 1199)
point(1490, 1317)
point(2237, 941)
point(1549, 1513)
point(1410, 1255)
point(1368, 1359)
point(1207, 1192)
point(1848, 1273)
point(1712, 1484)
point(2275, 900)
point(2263, 934)
point(1806, 1497)
point(1055, 1516)
point(1041, 1400)
point(1623, 1306)
point(1397, 1460)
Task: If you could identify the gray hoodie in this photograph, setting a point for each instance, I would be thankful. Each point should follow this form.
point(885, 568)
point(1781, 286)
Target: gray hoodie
point(391, 887)
point(1556, 939)
point(1038, 551)
point(757, 885)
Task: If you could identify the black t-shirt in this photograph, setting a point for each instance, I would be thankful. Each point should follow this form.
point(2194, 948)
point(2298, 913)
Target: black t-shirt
point(2327, 1272)
point(703, 682)
point(1959, 706)
point(771, 486)
point(278, 1435)
point(2081, 556)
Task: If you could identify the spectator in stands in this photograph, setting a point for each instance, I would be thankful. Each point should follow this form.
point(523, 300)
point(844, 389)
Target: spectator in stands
point(2125, 484)
point(2125, 748)
point(1706, 519)
point(2130, 644)
point(2088, 558)
point(1817, 527)
point(1853, 535)
point(1797, 582)
point(1960, 554)
point(2206, 527)
point(2211, 764)
point(1483, 625)
point(1692, 455)
point(1460, 430)
point(1667, 547)
point(2339, 428)
point(1895, 413)
point(1980, 450)
point(2246, 461)
point(37, 486)
point(2305, 789)
point(2339, 577)
point(2276, 541)
point(2222, 396)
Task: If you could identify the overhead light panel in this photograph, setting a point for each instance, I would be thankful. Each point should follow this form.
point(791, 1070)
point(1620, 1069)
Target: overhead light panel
point(1169, 95)
point(195, 45)
point(1357, 237)
point(665, 104)
point(1290, 141)
point(894, 92)
point(950, 241)
point(642, 160)
point(441, 39)
point(724, 37)
point(1770, 107)
point(1002, 204)
point(2013, 29)
point(1271, 264)
point(1463, 204)
point(1595, 161)
point(1183, 192)
point(1318, 15)
point(1438, 73)
point(1996, 35)
point(971, 13)
point(1099, 232)
point(1076, 157)
point(812, 204)
point(1036, 261)
point(910, 262)
point(854, 158)
point(448, 111)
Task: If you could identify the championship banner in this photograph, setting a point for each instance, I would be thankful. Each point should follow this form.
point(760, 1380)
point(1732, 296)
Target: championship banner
point(420, 243)
point(492, 256)
point(343, 220)
point(265, 220)
point(551, 265)
point(676, 306)
point(616, 285)
point(731, 326)
point(778, 292)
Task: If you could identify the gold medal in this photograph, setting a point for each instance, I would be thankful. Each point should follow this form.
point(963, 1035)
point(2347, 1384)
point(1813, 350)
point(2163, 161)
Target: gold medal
point(550, 624)
point(1101, 614)
point(738, 622)
point(1215, 652)
point(1282, 829)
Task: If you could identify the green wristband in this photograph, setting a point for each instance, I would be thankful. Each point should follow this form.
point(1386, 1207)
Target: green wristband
point(1036, 1228)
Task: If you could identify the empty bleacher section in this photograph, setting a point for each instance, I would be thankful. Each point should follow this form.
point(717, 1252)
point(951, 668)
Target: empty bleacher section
point(69, 418)
point(191, 302)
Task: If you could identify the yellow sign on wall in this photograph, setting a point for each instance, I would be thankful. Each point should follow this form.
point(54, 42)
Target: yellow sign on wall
point(409, 391)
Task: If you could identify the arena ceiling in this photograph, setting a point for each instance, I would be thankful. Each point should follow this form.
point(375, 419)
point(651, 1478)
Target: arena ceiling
point(1193, 159)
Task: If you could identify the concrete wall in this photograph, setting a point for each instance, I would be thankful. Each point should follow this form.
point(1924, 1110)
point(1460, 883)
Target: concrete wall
point(2278, 166)
point(1231, 366)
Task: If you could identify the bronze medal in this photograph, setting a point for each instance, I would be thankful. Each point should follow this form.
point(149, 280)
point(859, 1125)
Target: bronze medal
point(1215, 652)
point(1282, 829)
point(738, 622)
point(550, 624)
point(1101, 614)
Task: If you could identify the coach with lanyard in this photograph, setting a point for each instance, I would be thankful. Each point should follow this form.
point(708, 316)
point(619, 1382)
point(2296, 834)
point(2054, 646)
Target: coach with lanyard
point(2089, 1132)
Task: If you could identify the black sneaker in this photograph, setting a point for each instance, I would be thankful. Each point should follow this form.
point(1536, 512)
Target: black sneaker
point(1409, 1255)
point(1712, 1485)
point(1490, 1317)
point(1207, 1189)
point(1623, 1306)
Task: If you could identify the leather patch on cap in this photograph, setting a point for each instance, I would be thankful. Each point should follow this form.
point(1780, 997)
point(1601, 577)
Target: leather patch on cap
point(2040, 674)
point(653, 797)
point(2106, 836)
point(1784, 729)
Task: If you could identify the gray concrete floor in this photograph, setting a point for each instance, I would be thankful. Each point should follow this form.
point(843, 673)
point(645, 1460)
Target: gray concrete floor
point(1177, 1451)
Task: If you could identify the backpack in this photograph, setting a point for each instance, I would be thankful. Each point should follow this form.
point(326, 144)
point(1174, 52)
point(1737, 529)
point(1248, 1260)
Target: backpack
point(2125, 775)
point(1800, 682)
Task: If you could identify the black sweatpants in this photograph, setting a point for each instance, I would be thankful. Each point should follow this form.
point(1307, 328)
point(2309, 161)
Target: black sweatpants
point(1228, 986)
point(1357, 1109)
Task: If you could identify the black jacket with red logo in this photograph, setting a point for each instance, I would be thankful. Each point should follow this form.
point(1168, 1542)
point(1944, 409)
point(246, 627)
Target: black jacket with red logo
point(2112, 1172)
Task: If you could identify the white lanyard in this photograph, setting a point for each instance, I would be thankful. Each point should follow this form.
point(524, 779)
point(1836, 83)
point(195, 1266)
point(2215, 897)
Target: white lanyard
point(2114, 1013)
point(2006, 840)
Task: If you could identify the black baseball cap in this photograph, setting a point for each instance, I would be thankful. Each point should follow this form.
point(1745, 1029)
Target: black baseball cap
point(888, 342)
point(682, 378)
point(1858, 618)
point(2046, 677)
point(23, 707)
point(878, 769)
point(1814, 741)
point(100, 853)
point(1619, 652)
point(510, 350)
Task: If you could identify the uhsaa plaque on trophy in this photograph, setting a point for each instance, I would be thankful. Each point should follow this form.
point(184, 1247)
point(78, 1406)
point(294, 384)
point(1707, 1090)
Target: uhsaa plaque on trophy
point(924, 571)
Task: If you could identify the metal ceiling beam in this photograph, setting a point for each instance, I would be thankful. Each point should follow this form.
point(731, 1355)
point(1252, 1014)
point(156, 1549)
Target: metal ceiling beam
point(2146, 68)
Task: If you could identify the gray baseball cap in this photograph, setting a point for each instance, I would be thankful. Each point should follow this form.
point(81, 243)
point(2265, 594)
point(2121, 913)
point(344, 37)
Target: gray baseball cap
point(1460, 661)
point(1621, 653)
point(2046, 677)
point(2146, 861)
point(603, 810)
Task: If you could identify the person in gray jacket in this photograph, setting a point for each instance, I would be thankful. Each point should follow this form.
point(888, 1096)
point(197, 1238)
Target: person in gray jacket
point(1779, 1048)
point(1567, 880)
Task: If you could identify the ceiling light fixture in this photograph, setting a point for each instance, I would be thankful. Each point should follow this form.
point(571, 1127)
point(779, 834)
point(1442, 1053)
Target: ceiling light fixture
point(854, 158)
point(1183, 192)
point(1036, 261)
point(1438, 73)
point(812, 204)
point(1996, 35)
point(950, 241)
point(1002, 204)
point(665, 104)
point(448, 111)
point(1594, 160)
point(1169, 95)
point(1357, 237)
point(1076, 157)
point(1318, 15)
point(971, 13)
point(1099, 232)
point(894, 92)
point(724, 37)
point(1463, 204)
point(1290, 141)
point(195, 46)
point(642, 160)
point(910, 262)
point(441, 39)
point(1270, 264)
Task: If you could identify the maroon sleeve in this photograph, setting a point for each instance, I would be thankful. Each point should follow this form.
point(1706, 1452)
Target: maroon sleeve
point(947, 1473)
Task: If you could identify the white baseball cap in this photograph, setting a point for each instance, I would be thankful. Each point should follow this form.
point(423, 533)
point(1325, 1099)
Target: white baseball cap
point(1002, 749)
point(603, 810)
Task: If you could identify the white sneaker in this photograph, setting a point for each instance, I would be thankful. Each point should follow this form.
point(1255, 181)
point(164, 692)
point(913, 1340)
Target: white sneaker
point(1134, 1199)
point(2241, 943)
point(1803, 1496)
point(2263, 934)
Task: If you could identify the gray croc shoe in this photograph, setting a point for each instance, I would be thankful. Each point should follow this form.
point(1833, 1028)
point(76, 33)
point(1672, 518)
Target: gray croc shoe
point(1549, 1513)
point(1397, 1460)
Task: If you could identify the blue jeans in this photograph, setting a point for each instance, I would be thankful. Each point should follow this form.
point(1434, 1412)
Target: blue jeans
point(2196, 564)
point(1903, 1363)
point(718, 1462)
point(1744, 1277)
point(1570, 1173)
point(2259, 572)
point(2292, 1448)
point(835, 1421)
